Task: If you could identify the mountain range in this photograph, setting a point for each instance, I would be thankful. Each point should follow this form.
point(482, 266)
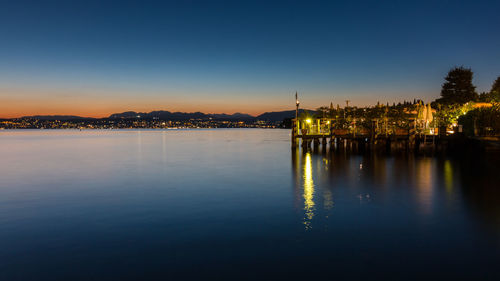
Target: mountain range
point(167, 115)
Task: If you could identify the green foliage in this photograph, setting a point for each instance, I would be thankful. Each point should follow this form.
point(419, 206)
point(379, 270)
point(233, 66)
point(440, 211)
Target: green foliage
point(485, 120)
point(458, 88)
point(495, 90)
point(458, 96)
point(448, 114)
point(397, 115)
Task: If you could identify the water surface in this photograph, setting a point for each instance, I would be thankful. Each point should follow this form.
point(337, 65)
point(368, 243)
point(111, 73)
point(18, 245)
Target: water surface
point(237, 204)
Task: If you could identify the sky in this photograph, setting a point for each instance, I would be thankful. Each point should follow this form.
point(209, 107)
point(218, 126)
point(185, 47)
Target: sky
point(93, 58)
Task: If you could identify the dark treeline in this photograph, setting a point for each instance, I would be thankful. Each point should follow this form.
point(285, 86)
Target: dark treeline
point(458, 104)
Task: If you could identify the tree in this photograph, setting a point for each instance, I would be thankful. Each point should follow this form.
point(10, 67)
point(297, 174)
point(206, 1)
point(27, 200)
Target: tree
point(495, 90)
point(458, 88)
point(484, 121)
point(322, 111)
point(484, 97)
point(493, 95)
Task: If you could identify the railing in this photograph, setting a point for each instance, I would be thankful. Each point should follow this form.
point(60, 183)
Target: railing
point(327, 127)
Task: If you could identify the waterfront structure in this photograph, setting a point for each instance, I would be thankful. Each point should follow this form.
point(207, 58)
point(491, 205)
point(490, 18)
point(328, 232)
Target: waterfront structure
point(414, 129)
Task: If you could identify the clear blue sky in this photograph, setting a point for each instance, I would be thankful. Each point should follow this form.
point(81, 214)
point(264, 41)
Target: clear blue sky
point(98, 57)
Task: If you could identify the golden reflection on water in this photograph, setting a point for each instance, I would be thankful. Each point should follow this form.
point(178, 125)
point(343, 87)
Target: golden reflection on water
point(448, 176)
point(308, 191)
point(424, 184)
point(307, 197)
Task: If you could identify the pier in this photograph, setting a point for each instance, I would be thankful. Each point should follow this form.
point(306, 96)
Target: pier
point(322, 132)
point(409, 128)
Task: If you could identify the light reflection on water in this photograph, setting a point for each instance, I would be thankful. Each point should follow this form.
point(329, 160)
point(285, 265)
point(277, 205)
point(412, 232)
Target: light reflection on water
point(156, 204)
point(428, 185)
point(308, 191)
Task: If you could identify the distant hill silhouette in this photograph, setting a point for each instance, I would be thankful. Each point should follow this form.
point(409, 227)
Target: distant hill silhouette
point(167, 115)
point(236, 115)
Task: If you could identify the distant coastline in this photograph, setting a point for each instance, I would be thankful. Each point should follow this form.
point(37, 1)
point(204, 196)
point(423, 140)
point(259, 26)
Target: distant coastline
point(152, 120)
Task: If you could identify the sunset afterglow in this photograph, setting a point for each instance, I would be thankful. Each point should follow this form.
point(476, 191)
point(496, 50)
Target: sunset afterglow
point(93, 59)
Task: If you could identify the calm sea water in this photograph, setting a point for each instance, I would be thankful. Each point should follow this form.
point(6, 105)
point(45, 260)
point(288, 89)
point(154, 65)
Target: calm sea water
point(237, 204)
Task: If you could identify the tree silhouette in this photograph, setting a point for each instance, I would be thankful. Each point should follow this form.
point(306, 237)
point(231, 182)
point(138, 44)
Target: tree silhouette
point(493, 95)
point(322, 112)
point(458, 87)
point(495, 90)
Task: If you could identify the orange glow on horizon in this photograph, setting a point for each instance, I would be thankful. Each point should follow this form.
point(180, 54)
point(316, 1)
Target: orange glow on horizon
point(100, 109)
point(16, 103)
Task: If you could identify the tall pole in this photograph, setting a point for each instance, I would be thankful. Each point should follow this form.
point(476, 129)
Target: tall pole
point(297, 125)
point(297, 106)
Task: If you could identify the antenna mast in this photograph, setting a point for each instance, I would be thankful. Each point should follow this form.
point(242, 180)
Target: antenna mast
point(297, 106)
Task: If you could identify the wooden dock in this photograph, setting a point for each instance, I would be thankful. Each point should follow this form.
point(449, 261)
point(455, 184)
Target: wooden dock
point(362, 140)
